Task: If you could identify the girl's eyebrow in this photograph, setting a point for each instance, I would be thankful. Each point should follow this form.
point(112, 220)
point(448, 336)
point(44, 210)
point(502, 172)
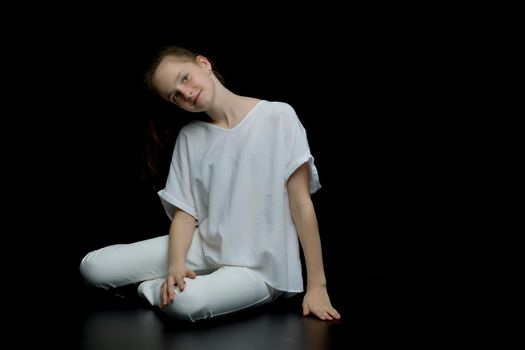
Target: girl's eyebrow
point(173, 91)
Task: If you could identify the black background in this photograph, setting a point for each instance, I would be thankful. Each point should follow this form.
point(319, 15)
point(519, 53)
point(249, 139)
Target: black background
point(369, 93)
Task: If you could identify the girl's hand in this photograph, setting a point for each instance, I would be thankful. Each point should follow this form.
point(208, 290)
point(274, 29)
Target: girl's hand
point(175, 279)
point(317, 301)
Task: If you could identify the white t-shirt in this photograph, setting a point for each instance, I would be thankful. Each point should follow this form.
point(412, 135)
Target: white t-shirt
point(233, 181)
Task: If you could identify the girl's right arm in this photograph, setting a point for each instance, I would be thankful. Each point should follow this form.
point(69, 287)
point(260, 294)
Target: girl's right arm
point(180, 237)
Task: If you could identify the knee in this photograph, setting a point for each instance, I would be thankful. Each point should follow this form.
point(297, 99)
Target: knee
point(93, 271)
point(189, 306)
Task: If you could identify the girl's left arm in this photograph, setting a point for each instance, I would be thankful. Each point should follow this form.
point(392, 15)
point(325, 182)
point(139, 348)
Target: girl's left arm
point(316, 299)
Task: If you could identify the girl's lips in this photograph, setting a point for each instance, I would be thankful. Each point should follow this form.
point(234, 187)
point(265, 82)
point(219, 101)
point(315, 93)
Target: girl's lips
point(196, 98)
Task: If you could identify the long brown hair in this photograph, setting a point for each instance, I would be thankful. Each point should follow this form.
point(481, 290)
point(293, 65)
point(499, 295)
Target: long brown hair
point(165, 120)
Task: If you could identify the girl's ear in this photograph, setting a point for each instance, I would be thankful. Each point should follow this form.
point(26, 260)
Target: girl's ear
point(204, 63)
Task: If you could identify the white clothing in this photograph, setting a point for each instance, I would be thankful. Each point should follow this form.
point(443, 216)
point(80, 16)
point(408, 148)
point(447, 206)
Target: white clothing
point(226, 290)
point(212, 293)
point(233, 181)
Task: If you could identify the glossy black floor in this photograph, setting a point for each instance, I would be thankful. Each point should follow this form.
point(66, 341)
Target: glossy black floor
point(393, 309)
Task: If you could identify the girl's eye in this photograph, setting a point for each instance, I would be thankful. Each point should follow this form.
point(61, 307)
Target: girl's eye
point(185, 77)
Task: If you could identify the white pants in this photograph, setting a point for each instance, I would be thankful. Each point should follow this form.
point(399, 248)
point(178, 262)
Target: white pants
point(215, 291)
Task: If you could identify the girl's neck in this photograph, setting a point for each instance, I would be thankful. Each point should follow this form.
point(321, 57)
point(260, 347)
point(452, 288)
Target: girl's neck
point(230, 109)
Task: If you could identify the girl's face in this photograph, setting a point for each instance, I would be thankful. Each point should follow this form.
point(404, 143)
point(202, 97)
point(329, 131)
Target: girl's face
point(187, 84)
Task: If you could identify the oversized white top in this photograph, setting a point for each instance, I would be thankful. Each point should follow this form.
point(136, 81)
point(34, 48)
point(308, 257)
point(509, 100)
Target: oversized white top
point(233, 181)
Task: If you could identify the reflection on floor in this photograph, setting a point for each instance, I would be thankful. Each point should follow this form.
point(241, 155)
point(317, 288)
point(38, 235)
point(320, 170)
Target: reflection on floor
point(384, 310)
point(142, 329)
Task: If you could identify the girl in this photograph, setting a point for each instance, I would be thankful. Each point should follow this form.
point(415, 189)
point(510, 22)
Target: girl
point(238, 194)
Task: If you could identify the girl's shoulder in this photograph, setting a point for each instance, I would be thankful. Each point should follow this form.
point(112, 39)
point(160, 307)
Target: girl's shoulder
point(280, 110)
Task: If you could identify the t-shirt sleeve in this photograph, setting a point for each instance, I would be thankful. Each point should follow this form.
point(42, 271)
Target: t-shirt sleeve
point(299, 151)
point(177, 193)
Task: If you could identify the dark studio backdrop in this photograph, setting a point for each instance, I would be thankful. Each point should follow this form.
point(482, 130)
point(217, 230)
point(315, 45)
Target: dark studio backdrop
point(367, 99)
